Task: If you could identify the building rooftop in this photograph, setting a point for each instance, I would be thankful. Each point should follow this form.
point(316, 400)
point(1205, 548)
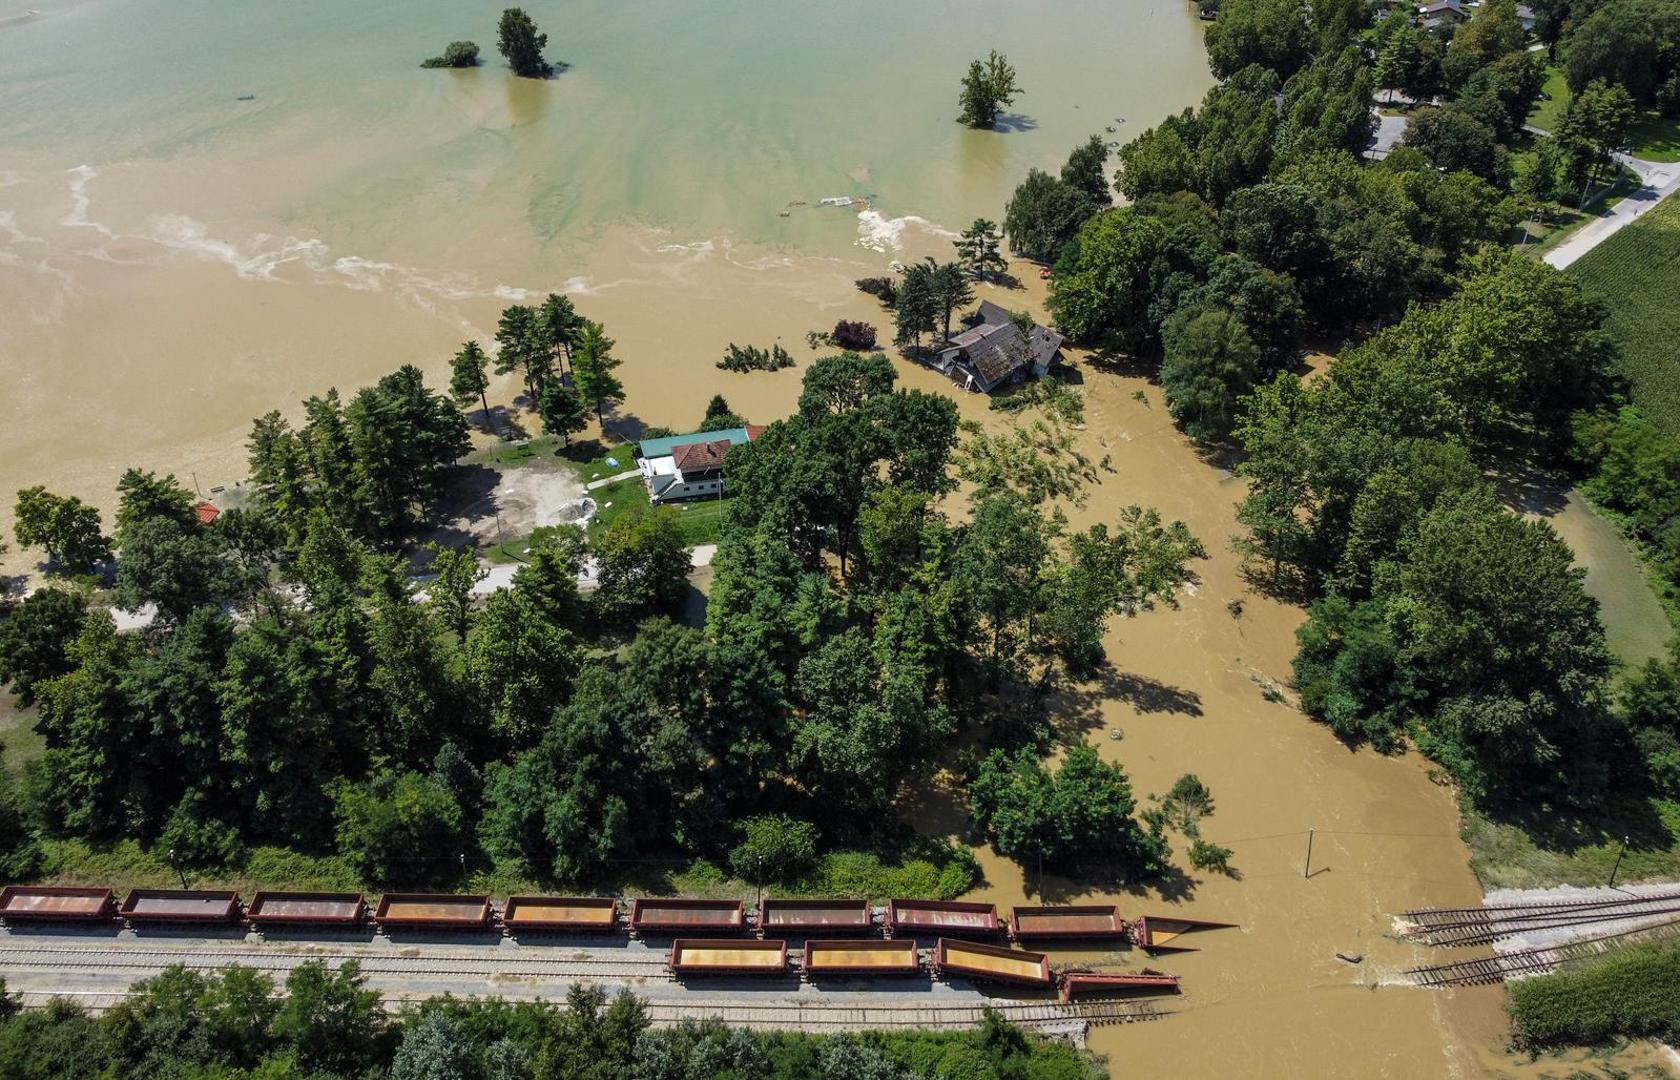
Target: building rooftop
point(667, 446)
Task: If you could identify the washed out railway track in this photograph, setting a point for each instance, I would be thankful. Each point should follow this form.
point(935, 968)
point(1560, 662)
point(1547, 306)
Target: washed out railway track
point(1537, 961)
point(1485, 925)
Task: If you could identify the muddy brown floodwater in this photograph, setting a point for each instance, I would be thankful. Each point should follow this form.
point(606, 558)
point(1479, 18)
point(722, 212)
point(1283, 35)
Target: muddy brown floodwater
point(1188, 690)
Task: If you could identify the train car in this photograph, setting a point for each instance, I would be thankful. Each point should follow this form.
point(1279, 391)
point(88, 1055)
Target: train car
point(991, 963)
point(815, 916)
point(272, 909)
point(598, 914)
point(1076, 984)
point(946, 918)
point(1162, 933)
point(664, 915)
point(863, 956)
point(727, 956)
point(1083, 921)
point(432, 911)
point(56, 903)
point(160, 906)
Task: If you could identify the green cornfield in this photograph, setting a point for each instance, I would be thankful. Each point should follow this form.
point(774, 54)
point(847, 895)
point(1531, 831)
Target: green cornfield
point(1636, 273)
point(1632, 992)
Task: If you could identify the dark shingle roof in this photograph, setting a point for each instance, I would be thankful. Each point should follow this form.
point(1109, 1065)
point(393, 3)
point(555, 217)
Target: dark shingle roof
point(994, 346)
point(701, 455)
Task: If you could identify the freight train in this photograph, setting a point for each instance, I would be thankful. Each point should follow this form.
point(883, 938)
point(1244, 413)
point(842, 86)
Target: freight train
point(708, 936)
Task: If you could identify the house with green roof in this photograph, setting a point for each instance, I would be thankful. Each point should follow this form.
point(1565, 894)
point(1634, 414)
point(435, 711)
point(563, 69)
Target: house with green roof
point(688, 466)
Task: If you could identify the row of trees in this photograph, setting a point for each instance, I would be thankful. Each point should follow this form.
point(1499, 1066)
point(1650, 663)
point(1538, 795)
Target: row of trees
point(328, 1026)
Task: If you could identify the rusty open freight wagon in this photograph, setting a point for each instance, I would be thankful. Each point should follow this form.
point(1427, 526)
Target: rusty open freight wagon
point(777, 916)
point(56, 903)
point(861, 956)
point(1068, 921)
point(944, 918)
point(727, 956)
point(574, 914)
point(273, 909)
point(162, 906)
point(432, 911)
point(684, 915)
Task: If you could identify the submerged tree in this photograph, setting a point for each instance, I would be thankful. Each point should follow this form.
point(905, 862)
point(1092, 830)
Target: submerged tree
point(518, 39)
point(988, 87)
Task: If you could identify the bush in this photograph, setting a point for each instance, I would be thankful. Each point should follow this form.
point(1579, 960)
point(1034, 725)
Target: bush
point(856, 336)
point(195, 837)
point(1206, 856)
point(752, 358)
point(884, 289)
point(398, 828)
point(459, 54)
point(775, 848)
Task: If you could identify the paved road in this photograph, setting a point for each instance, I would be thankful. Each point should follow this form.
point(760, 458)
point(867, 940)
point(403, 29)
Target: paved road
point(1660, 181)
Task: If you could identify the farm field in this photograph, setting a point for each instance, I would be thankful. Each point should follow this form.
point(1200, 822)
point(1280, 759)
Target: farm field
point(1636, 274)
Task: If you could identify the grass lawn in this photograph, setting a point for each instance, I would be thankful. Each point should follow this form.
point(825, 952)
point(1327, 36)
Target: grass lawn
point(1636, 274)
point(1653, 137)
point(701, 520)
point(590, 458)
point(1560, 850)
point(18, 739)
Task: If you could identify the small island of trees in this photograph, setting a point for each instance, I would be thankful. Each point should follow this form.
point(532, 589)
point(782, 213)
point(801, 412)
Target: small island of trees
point(519, 40)
point(459, 54)
point(987, 89)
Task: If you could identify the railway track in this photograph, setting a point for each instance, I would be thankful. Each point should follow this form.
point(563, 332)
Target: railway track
point(503, 964)
point(98, 976)
point(820, 1015)
point(1484, 925)
point(1512, 965)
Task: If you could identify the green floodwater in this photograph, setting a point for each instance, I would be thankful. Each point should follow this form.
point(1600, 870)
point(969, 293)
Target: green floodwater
point(702, 116)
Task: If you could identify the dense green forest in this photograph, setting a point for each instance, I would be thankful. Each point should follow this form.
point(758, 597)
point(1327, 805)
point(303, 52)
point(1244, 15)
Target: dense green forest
point(182, 1025)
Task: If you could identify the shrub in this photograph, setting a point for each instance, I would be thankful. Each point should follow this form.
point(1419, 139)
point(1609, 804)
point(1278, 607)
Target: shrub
point(752, 358)
point(1206, 856)
point(775, 848)
point(459, 54)
point(856, 336)
point(884, 289)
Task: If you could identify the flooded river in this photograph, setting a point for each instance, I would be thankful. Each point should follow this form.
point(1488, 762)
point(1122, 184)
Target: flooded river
point(208, 210)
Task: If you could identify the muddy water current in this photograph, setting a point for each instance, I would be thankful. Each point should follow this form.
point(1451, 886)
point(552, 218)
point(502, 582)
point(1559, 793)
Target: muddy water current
point(208, 210)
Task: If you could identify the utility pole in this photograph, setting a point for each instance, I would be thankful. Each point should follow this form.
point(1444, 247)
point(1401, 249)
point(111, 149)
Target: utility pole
point(1306, 871)
point(1614, 869)
point(758, 878)
point(173, 865)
